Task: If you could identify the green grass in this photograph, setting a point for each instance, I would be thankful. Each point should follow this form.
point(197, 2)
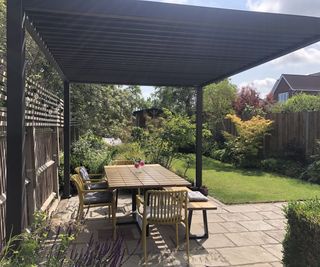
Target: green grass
point(232, 185)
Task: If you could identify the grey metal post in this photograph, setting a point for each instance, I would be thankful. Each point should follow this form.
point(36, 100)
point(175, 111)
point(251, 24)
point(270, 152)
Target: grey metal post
point(66, 139)
point(15, 202)
point(199, 108)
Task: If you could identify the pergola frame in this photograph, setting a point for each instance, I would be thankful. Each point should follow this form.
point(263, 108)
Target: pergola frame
point(183, 47)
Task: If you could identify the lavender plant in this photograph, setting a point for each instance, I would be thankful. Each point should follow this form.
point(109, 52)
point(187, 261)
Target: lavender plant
point(48, 246)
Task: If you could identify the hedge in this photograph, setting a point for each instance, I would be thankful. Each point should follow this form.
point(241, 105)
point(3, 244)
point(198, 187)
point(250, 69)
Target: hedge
point(302, 242)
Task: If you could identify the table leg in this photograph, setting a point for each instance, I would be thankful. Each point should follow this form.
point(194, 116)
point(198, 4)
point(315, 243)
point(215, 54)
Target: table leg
point(134, 209)
point(205, 224)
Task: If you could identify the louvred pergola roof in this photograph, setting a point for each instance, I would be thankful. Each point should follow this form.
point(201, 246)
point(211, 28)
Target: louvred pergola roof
point(133, 42)
point(150, 43)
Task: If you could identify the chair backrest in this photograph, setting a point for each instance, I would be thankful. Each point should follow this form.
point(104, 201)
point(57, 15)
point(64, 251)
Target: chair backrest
point(122, 162)
point(77, 180)
point(82, 171)
point(166, 206)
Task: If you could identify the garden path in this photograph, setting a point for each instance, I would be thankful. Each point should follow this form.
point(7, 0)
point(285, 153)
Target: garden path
point(240, 235)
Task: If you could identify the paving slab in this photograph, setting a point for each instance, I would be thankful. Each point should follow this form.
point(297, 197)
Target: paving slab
point(276, 234)
point(212, 258)
point(271, 215)
point(251, 238)
point(240, 208)
point(278, 223)
point(239, 235)
point(233, 227)
point(275, 249)
point(247, 255)
point(256, 225)
point(234, 217)
point(216, 241)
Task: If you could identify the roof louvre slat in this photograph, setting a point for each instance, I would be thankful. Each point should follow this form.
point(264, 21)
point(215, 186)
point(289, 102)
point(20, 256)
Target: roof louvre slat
point(151, 43)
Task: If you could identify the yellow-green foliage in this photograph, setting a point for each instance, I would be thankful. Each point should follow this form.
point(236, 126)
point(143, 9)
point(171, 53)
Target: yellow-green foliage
point(244, 147)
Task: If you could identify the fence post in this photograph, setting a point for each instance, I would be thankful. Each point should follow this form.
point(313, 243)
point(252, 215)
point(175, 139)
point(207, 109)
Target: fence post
point(55, 157)
point(31, 172)
point(307, 132)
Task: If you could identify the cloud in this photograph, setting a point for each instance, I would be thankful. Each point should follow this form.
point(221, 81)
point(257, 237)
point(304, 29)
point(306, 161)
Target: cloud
point(308, 55)
point(262, 86)
point(298, 7)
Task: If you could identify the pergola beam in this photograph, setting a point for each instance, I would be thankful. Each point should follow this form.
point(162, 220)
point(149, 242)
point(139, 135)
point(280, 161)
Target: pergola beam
point(15, 118)
point(44, 49)
point(66, 139)
point(199, 109)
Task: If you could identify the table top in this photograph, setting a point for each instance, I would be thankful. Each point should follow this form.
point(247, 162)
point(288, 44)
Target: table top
point(149, 176)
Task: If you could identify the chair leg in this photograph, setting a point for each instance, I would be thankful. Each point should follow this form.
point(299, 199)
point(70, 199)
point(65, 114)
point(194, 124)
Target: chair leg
point(109, 212)
point(114, 223)
point(187, 238)
point(144, 241)
point(177, 235)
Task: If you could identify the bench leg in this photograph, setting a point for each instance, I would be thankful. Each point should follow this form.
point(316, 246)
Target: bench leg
point(205, 224)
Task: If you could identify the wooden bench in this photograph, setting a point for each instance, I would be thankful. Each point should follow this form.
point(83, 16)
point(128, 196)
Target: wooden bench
point(204, 206)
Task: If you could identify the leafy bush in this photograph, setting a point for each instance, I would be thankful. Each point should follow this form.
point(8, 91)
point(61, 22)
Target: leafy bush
point(244, 148)
point(302, 242)
point(312, 173)
point(129, 151)
point(282, 166)
point(92, 152)
point(164, 142)
point(298, 103)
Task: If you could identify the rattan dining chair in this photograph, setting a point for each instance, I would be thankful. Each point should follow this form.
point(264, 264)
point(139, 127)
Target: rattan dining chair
point(164, 207)
point(95, 198)
point(88, 179)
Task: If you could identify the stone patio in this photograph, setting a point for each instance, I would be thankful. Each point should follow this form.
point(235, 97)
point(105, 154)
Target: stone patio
point(240, 235)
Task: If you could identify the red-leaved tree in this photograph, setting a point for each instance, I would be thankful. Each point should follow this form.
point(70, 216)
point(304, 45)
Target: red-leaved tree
point(247, 97)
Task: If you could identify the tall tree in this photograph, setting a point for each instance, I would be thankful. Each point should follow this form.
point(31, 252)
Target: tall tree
point(218, 100)
point(105, 109)
point(248, 103)
point(180, 100)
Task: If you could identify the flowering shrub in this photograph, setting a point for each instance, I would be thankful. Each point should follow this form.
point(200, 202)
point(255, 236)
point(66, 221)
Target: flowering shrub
point(244, 147)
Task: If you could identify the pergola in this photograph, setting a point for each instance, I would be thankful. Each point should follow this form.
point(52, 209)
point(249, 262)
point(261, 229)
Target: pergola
point(134, 42)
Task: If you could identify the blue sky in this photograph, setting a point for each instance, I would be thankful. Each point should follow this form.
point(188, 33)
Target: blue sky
point(303, 61)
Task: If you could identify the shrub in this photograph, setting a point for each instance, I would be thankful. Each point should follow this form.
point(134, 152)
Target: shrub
point(282, 166)
point(298, 103)
point(129, 151)
point(302, 241)
point(92, 152)
point(312, 173)
point(244, 148)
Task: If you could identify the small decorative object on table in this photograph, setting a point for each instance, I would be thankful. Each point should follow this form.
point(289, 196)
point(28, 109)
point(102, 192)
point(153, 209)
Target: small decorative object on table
point(138, 164)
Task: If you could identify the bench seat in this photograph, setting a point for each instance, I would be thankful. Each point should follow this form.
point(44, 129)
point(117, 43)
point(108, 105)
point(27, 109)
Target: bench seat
point(194, 205)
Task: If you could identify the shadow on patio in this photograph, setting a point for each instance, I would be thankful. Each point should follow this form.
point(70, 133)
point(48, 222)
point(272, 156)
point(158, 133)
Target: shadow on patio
point(239, 234)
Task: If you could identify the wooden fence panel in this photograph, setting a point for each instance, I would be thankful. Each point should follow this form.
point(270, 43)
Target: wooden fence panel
point(298, 131)
point(3, 185)
point(43, 124)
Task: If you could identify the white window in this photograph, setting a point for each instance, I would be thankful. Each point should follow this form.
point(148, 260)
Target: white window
point(283, 97)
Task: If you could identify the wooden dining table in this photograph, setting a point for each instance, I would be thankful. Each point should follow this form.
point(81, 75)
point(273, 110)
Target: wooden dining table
point(149, 176)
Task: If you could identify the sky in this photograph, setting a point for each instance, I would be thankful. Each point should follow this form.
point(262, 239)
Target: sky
point(263, 77)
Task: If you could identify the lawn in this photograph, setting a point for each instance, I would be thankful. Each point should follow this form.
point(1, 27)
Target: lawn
point(232, 185)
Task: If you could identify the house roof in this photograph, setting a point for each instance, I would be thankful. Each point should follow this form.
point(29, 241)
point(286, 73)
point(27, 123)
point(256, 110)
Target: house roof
point(303, 82)
point(151, 43)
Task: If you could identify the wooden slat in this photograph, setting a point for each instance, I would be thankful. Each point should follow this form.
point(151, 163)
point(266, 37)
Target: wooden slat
point(149, 176)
